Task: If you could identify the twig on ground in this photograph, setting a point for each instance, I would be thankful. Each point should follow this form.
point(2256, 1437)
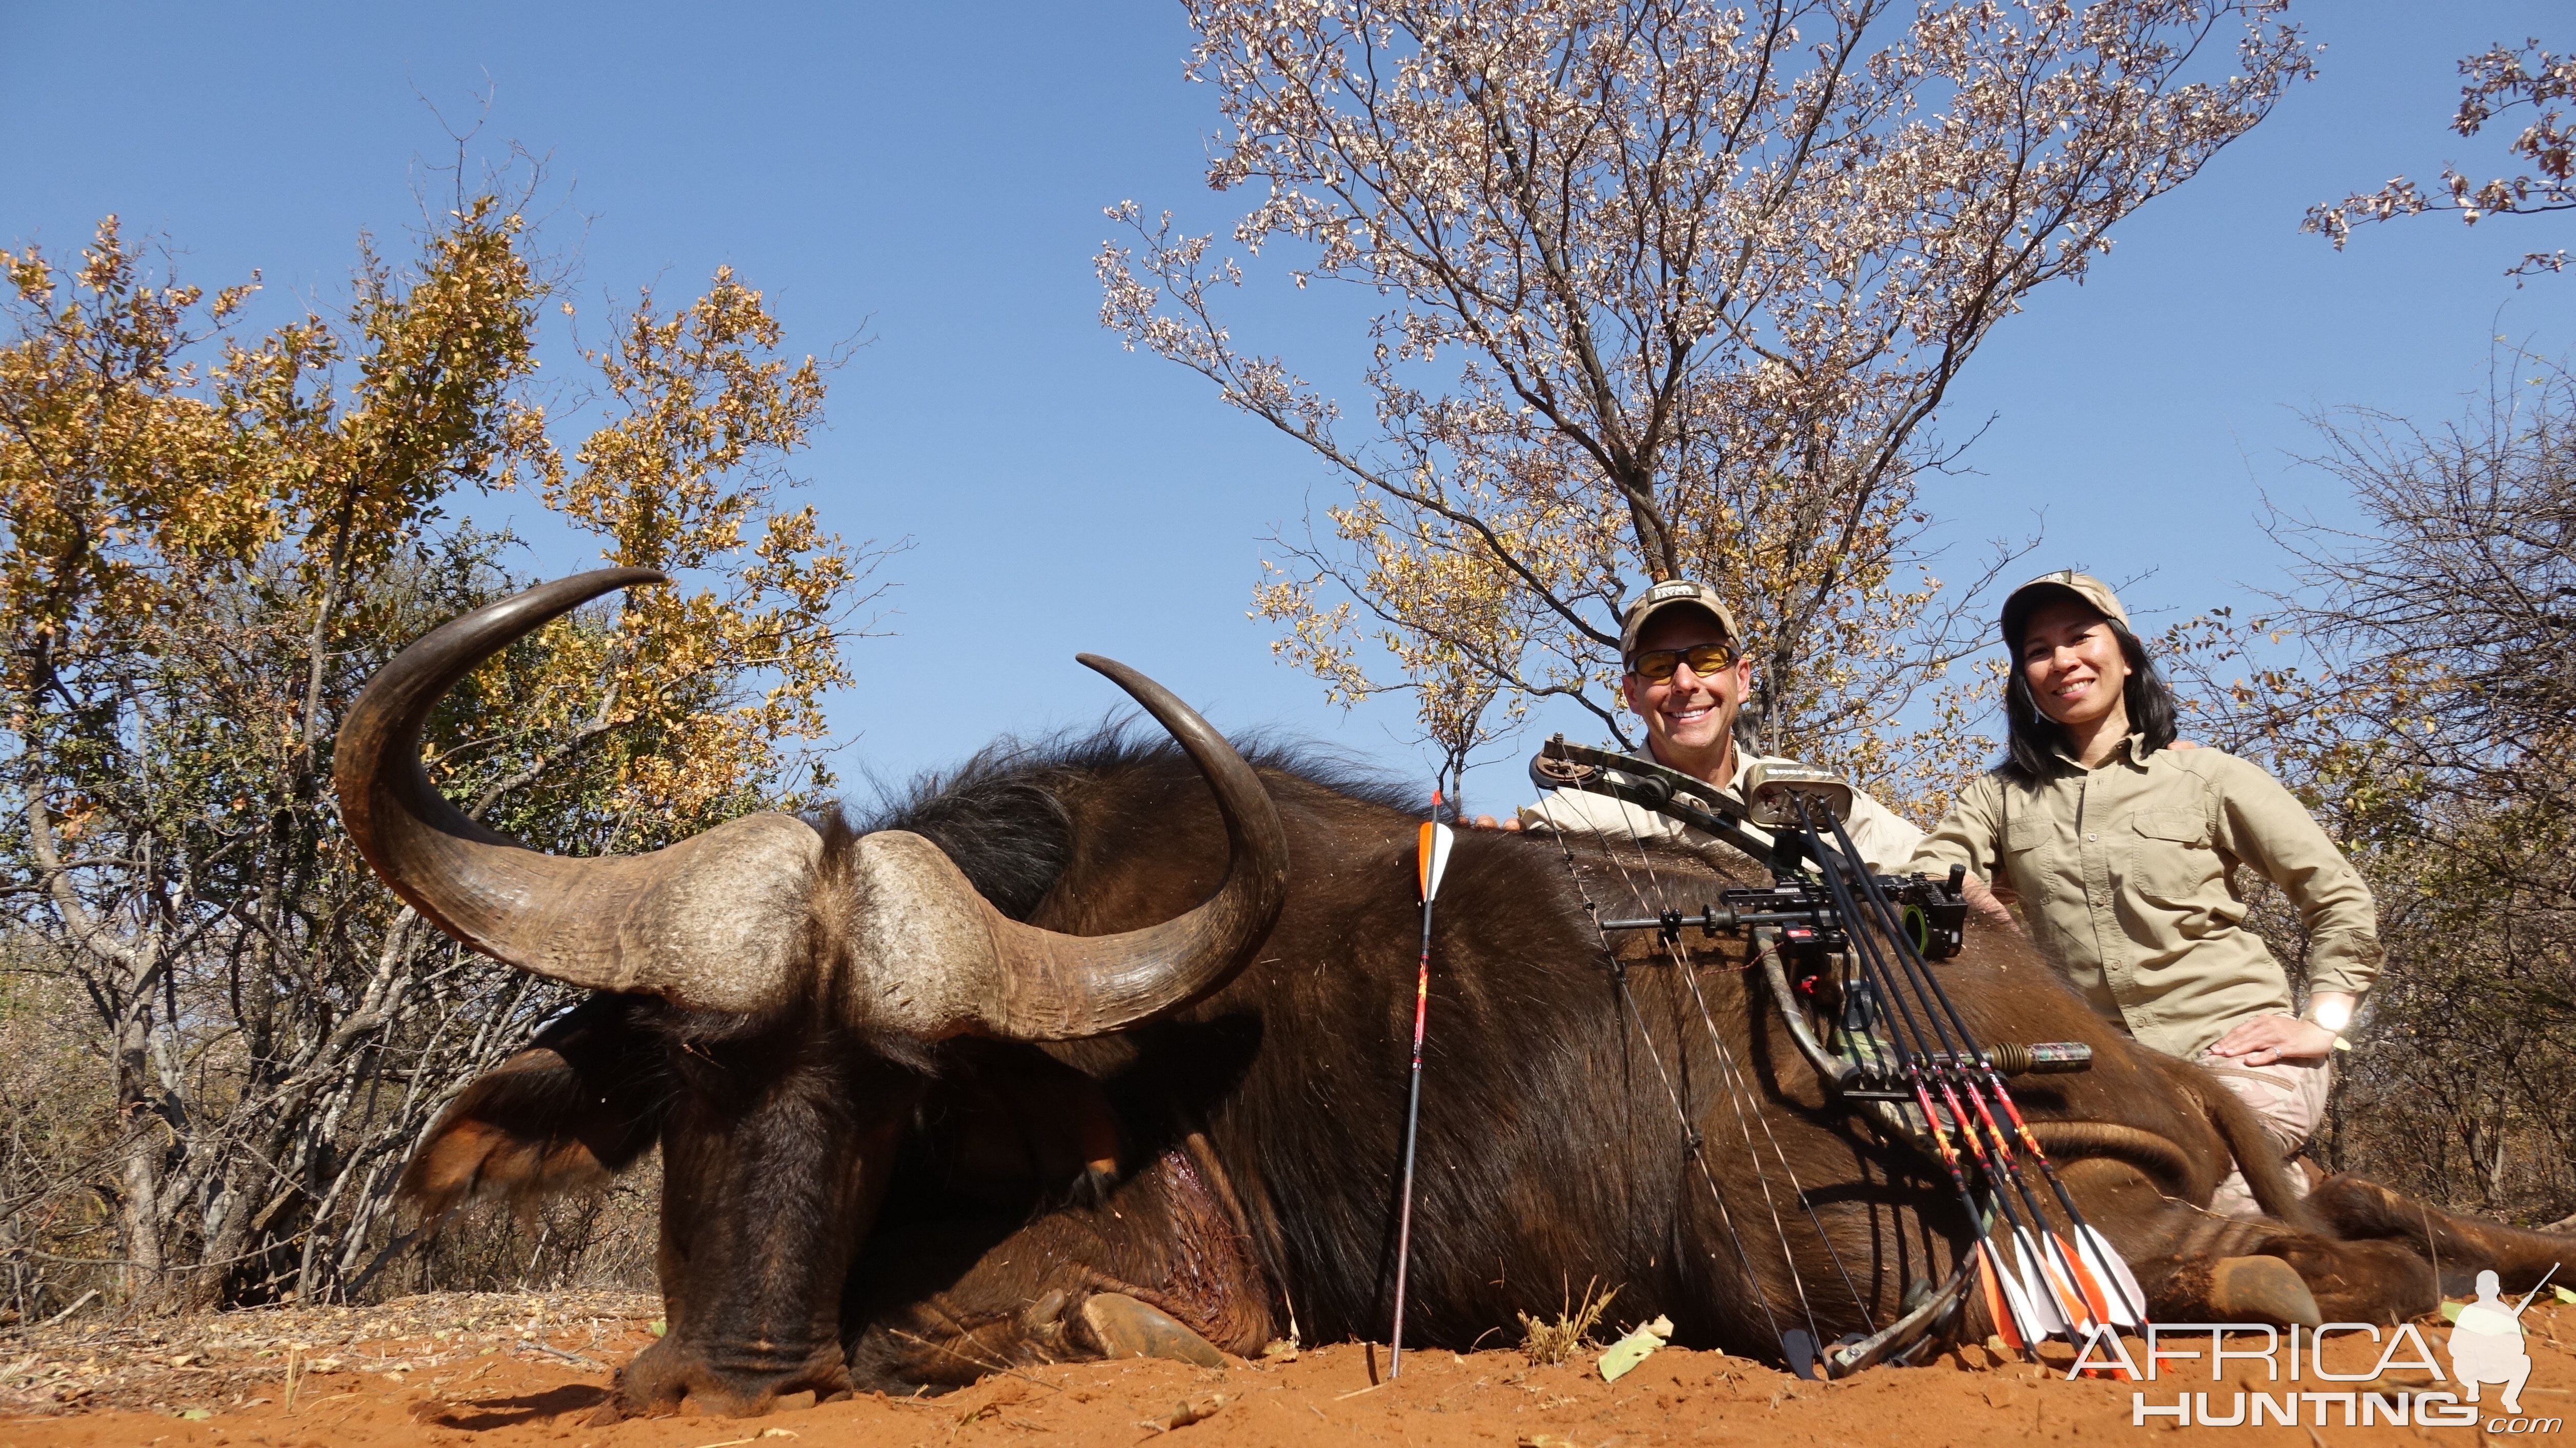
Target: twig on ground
point(77, 1304)
point(576, 1359)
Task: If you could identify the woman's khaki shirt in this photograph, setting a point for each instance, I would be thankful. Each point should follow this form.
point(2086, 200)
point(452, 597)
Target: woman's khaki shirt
point(2126, 874)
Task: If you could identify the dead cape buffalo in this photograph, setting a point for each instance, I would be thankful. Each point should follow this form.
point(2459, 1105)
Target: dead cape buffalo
point(1108, 1024)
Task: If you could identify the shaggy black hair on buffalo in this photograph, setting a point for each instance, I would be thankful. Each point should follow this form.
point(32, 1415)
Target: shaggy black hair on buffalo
point(1001, 815)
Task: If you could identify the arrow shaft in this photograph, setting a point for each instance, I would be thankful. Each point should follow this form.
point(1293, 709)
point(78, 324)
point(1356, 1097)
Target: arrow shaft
point(1433, 858)
point(2535, 1289)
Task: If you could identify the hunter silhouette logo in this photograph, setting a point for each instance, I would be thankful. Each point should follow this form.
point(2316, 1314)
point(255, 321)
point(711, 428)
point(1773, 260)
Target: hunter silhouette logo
point(2486, 1343)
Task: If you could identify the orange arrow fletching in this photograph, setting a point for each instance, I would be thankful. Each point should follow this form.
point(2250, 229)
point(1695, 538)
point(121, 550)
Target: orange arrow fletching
point(1432, 856)
point(2003, 1306)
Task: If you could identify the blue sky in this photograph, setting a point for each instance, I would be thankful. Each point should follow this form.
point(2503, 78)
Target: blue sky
point(933, 176)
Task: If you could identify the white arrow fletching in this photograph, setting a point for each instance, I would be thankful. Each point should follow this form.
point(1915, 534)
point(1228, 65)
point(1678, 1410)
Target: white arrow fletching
point(2025, 1320)
point(1433, 857)
point(2128, 1300)
point(2068, 1279)
point(2050, 1314)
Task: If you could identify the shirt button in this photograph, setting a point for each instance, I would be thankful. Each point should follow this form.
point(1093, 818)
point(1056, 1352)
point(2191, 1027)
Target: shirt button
point(2092, 837)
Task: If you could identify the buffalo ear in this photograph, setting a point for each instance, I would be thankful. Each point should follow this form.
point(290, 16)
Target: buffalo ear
point(579, 1105)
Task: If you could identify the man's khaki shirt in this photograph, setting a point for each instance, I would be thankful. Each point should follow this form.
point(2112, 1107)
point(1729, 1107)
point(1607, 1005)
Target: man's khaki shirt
point(1885, 839)
point(2126, 875)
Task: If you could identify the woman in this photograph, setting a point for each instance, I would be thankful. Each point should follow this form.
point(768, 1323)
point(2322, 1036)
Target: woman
point(2122, 848)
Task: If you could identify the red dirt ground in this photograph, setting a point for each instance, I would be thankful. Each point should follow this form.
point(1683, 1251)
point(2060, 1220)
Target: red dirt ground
point(507, 1372)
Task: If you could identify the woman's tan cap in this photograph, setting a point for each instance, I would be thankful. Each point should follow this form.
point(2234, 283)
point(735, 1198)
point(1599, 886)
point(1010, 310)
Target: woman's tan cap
point(1672, 593)
point(2084, 588)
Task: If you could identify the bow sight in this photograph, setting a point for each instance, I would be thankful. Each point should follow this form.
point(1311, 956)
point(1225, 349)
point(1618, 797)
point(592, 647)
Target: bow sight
point(1935, 914)
point(1799, 913)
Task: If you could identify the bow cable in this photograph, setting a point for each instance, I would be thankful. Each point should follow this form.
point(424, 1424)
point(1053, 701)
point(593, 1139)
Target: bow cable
point(1692, 1142)
point(1738, 1088)
point(1734, 1094)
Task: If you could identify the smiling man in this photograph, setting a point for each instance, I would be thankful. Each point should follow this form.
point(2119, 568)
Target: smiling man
point(1688, 676)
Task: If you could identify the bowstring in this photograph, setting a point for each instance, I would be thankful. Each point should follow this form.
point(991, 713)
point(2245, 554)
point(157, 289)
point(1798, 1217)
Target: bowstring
point(1735, 1089)
point(1694, 1144)
point(1738, 1081)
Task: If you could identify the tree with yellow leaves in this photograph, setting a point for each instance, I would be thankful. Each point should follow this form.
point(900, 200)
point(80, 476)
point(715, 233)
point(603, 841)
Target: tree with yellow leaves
point(212, 539)
point(1667, 288)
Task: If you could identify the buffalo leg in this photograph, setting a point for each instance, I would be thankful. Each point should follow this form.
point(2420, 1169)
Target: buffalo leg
point(2456, 1247)
point(2194, 1265)
point(1161, 1239)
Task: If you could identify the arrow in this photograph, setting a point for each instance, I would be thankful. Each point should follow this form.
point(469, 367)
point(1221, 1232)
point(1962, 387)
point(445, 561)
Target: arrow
point(2535, 1289)
point(1431, 861)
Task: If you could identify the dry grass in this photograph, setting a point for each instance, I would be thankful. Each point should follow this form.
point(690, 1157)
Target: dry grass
point(1549, 1344)
point(235, 1356)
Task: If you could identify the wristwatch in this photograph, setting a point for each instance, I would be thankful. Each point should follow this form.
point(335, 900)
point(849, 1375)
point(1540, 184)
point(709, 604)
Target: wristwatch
point(2334, 1016)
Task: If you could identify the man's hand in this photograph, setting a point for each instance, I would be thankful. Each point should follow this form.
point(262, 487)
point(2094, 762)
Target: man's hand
point(1486, 822)
point(2266, 1039)
point(1986, 905)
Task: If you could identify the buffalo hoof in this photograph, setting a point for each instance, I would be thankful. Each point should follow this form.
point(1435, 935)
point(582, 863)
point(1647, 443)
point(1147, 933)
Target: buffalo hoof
point(1127, 1328)
point(669, 1375)
point(2264, 1289)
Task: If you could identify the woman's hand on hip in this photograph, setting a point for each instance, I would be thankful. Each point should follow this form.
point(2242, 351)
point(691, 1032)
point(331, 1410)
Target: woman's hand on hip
point(2266, 1039)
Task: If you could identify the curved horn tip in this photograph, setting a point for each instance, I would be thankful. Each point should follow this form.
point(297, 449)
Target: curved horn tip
point(1057, 987)
point(539, 604)
point(1137, 684)
point(601, 580)
point(1168, 709)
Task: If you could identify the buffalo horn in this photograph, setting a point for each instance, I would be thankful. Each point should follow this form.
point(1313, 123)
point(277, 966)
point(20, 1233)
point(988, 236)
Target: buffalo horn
point(920, 924)
point(712, 922)
point(716, 922)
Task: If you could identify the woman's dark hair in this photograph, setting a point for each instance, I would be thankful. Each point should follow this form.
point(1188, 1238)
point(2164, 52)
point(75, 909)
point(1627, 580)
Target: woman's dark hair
point(2032, 739)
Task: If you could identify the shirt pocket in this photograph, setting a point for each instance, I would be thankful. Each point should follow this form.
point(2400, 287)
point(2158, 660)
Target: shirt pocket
point(2025, 855)
point(2172, 862)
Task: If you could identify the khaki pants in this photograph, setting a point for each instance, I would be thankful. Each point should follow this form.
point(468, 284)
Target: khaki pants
point(2289, 1097)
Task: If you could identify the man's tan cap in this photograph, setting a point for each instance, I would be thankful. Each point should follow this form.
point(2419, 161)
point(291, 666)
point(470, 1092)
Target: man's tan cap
point(2084, 588)
point(1672, 593)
